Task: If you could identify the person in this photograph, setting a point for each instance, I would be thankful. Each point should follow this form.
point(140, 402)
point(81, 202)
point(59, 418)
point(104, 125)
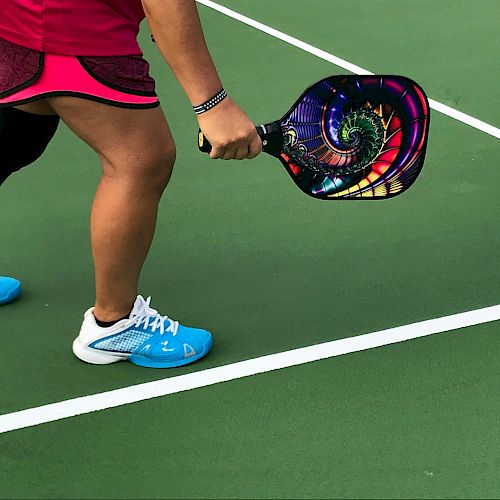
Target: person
point(81, 62)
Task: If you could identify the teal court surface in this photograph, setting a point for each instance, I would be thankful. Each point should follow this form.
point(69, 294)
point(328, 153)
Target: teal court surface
point(239, 250)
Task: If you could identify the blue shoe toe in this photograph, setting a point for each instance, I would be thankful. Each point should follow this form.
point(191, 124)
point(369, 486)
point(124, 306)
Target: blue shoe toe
point(10, 289)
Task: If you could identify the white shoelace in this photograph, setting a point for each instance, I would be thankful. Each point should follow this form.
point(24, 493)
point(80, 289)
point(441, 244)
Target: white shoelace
point(151, 316)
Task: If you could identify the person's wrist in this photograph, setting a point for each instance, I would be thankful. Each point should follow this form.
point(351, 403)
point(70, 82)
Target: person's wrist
point(226, 106)
point(211, 103)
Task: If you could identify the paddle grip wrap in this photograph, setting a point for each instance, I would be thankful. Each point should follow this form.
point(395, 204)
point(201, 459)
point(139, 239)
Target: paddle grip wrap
point(271, 135)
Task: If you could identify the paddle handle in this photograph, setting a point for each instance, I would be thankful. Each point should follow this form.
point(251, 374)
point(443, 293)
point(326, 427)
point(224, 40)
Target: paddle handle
point(271, 135)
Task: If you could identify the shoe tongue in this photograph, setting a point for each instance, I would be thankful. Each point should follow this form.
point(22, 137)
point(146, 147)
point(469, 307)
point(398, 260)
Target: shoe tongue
point(139, 305)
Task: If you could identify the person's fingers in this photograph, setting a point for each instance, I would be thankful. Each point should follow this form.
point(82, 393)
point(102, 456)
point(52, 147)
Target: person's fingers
point(255, 148)
point(242, 152)
point(230, 152)
point(217, 152)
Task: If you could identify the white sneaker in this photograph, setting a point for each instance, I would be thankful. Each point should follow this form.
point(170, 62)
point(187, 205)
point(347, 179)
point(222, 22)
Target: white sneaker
point(146, 338)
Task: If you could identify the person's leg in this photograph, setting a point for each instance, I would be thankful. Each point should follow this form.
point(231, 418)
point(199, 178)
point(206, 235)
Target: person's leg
point(137, 154)
point(17, 152)
point(40, 107)
point(25, 133)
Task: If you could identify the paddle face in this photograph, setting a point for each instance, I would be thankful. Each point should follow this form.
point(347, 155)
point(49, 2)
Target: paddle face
point(361, 137)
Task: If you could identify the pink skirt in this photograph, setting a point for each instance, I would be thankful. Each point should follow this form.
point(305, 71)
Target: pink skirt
point(27, 75)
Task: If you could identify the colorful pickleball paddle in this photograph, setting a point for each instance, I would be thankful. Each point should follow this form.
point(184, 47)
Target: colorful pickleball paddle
point(351, 137)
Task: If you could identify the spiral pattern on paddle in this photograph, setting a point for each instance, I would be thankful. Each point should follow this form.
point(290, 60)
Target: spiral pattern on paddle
point(357, 136)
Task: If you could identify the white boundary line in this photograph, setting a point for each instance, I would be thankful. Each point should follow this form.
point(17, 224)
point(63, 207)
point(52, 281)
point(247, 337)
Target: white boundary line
point(342, 63)
point(263, 364)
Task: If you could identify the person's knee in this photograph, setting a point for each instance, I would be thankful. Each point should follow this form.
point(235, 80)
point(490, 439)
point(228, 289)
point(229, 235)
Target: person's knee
point(160, 169)
point(168, 159)
point(23, 138)
point(155, 170)
point(151, 169)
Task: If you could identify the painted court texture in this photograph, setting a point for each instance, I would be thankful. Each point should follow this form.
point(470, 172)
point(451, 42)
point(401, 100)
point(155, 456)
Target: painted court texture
point(240, 251)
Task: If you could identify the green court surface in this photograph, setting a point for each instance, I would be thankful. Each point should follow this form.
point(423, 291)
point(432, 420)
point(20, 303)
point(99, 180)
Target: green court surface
point(241, 251)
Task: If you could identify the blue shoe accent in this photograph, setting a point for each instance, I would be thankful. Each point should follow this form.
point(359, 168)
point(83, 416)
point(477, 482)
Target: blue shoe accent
point(150, 359)
point(10, 289)
point(146, 338)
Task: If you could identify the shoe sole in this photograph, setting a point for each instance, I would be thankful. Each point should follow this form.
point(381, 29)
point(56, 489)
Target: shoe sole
point(97, 358)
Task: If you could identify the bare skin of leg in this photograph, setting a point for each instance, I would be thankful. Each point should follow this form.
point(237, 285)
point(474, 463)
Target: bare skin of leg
point(40, 107)
point(137, 154)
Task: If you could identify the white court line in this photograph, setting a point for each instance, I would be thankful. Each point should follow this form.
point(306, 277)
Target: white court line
point(342, 63)
point(263, 364)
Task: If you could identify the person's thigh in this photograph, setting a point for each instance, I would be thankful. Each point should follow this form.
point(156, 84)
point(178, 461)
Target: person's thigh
point(40, 107)
point(130, 142)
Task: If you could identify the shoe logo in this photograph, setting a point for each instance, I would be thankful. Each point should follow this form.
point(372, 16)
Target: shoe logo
point(144, 350)
point(188, 351)
point(165, 347)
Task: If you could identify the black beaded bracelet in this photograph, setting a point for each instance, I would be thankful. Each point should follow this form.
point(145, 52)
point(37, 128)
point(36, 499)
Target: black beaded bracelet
point(216, 99)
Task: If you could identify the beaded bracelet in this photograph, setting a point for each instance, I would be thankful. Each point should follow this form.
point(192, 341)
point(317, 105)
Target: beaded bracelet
point(216, 99)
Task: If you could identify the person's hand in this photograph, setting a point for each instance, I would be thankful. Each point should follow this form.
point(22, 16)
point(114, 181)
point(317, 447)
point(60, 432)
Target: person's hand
point(232, 134)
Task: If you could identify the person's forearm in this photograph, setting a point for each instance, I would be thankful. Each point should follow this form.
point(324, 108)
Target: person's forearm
point(177, 30)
